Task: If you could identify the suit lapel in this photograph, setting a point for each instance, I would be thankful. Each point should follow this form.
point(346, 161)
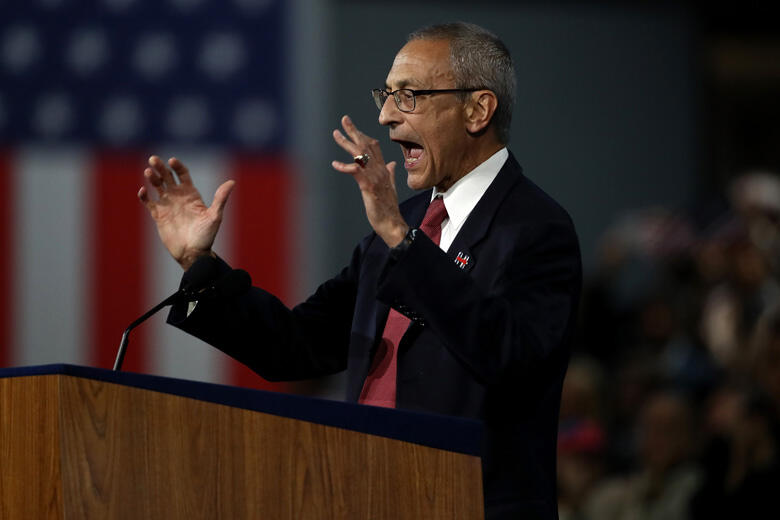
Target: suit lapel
point(478, 222)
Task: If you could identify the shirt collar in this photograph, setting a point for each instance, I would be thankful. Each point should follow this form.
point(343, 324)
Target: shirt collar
point(462, 196)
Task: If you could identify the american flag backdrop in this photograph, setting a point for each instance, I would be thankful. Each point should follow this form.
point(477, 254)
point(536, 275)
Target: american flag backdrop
point(88, 90)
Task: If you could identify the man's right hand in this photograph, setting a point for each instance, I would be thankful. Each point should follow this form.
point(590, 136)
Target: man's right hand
point(187, 227)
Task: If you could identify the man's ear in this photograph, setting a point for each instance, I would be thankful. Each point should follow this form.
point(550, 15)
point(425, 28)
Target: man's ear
point(479, 110)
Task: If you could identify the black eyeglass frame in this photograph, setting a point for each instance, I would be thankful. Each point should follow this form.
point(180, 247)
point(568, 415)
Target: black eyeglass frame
point(380, 95)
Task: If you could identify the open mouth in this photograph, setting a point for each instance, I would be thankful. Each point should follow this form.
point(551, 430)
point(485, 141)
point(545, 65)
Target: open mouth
point(412, 152)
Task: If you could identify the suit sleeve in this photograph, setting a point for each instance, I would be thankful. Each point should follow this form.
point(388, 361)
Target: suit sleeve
point(279, 343)
point(519, 319)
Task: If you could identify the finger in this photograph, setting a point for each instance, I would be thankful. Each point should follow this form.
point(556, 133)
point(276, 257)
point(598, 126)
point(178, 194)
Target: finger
point(352, 131)
point(143, 195)
point(155, 180)
point(153, 177)
point(363, 143)
point(182, 172)
point(348, 146)
point(221, 197)
point(391, 171)
point(350, 168)
point(162, 170)
point(157, 167)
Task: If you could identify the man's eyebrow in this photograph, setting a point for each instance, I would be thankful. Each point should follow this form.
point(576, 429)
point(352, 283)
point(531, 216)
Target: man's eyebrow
point(404, 83)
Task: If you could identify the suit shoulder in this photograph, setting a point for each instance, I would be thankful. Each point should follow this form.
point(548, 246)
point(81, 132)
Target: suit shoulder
point(524, 198)
point(527, 199)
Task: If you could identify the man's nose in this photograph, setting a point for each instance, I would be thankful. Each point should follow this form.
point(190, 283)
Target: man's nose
point(389, 113)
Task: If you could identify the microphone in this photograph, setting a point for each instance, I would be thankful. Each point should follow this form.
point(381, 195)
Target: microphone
point(193, 287)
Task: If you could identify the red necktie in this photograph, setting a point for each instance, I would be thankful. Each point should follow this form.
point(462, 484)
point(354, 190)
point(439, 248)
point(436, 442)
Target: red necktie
point(379, 387)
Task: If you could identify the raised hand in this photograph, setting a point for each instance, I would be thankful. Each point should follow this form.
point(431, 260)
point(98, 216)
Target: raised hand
point(376, 181)
point(187, 227)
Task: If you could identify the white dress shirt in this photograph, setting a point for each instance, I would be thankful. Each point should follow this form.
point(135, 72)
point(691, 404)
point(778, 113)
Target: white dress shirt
point(463, 196)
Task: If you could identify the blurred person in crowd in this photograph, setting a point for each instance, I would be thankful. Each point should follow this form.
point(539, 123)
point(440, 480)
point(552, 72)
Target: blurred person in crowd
point(580, 465)
point(755, 197)
point(765, 354)
point(731, 309)
point(661, 487)
point(711, 260)
point(741, 459)
point(667, 329)
point(582, 394)
point(581, 436)
point(747, 251)
point(634, 378)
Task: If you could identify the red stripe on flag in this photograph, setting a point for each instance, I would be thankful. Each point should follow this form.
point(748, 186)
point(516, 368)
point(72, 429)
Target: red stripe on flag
point(6, 259)
point(263, 234)
point(117, 277)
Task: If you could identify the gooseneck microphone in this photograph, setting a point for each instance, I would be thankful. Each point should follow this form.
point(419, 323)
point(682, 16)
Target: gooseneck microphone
point(195, 286)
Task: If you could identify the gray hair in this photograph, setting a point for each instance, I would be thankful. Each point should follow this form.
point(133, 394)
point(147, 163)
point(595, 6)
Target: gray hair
point(479, 59)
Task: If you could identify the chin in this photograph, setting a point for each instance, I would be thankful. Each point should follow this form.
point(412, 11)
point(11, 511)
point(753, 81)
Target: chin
point(417, 182)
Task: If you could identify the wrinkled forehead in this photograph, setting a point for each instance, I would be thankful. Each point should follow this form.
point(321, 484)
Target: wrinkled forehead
point(422, 64)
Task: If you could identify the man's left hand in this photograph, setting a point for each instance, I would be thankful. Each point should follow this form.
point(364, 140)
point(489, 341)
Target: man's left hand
point(376, 181)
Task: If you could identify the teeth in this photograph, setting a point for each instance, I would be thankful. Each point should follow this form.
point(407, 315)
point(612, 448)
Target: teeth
point(411, 151)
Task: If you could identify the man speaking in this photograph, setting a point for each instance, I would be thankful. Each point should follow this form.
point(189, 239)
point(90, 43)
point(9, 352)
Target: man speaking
point(463, 299)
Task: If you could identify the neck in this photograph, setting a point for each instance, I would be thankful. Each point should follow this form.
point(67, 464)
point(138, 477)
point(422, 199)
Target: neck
point(473, 155)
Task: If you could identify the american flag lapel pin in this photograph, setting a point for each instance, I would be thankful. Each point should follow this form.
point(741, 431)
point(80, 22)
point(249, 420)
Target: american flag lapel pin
point(462, 259)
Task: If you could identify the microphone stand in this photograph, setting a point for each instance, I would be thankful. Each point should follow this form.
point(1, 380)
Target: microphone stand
point(120, 355)
point(195, 277)
point(228, 285)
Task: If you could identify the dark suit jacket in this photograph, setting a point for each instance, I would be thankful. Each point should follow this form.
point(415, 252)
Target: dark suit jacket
point(489, 340)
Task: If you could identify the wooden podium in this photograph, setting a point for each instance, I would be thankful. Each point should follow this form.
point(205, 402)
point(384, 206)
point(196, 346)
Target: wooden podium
point(78, 442)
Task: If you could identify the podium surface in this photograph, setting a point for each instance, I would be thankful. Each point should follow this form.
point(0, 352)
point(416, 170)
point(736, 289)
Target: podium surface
point(78, 442)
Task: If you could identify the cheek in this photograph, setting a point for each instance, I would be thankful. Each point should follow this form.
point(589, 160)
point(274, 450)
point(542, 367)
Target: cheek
point(442, 145)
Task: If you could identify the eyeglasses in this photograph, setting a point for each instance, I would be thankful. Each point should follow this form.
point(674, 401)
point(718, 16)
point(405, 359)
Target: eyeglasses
point(406, 98)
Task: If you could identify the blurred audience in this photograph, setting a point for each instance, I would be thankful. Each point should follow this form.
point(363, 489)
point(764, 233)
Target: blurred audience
point(581, 439)
point(580, 466)
point(740, 458)
point(665, 478)
point(670, 407)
